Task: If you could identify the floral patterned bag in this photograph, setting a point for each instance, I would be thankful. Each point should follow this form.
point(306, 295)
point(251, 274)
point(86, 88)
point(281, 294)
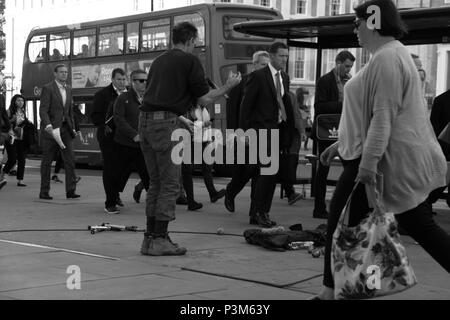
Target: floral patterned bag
point(369, 260)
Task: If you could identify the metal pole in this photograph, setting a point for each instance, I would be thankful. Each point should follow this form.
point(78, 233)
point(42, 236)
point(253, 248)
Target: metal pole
point(12, 60)
point(152, 5)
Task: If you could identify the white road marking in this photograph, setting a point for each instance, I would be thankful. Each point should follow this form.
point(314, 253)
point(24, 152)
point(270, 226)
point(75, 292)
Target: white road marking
point(58, 249)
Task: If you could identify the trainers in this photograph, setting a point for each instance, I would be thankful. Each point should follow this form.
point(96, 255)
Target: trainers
point(165, 247)
point(112, 210)
point(219, 195)
point(56, 179)
point(146, 243)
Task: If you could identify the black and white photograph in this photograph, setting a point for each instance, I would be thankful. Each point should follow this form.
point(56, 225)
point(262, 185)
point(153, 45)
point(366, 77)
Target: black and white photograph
point(226, 155)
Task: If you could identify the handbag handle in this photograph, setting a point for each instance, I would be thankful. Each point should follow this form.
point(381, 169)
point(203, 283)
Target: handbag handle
point(373, 198)
point(347, 205)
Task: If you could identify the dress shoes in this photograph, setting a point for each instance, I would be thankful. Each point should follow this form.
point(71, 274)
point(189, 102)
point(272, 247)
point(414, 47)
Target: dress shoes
point(56, 179)
point(20, 184)
point(137, 192)
point(229, 203)
point(72, 195)
point(194, 206)
point(219, 195)
point(182, 201)
point(119, 202)
point(45, 196)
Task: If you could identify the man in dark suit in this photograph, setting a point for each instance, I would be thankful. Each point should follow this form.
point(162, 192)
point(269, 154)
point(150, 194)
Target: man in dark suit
point(126, 118)
point(440, 117)
point(56, 112)
point(242, 173)
point(267, 105)
point(328, 100)
point(103, 101)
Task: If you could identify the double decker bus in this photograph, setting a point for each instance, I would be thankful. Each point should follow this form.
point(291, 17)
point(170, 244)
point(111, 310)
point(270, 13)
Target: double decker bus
point(92, 50)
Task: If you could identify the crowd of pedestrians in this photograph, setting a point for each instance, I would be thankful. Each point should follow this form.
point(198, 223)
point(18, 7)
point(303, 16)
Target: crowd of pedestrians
point(386, 130)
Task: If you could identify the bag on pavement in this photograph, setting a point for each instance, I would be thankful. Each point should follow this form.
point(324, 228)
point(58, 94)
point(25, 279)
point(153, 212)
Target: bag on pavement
point(369, 260)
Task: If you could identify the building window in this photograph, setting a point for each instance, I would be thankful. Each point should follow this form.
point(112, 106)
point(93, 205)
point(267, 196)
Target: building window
point(265, 3)
point(299, 63)
point(110, 41)
point(329, 60)
point(136, 5)
point(335, 7)
point(301, 7)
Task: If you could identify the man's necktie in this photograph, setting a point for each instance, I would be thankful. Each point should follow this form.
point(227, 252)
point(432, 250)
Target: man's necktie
point(280, 98)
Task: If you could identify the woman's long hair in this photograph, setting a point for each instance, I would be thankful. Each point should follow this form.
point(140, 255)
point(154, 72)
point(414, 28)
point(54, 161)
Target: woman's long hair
point(13, 106)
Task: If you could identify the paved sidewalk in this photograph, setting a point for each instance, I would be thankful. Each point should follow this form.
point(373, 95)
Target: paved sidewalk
point(34, 264)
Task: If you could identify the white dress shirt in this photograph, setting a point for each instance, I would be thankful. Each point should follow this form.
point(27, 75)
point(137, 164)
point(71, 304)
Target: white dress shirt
point(62, 90)
point(274, 73)
point(274, 76)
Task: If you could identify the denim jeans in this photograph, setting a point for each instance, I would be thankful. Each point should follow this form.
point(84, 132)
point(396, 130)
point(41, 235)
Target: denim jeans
point(156, 145)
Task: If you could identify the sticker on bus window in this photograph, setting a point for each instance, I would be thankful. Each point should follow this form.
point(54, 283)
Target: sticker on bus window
point(217, 108)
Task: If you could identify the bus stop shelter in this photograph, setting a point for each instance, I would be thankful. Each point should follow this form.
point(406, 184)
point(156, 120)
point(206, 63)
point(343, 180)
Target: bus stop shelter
point(425, 26)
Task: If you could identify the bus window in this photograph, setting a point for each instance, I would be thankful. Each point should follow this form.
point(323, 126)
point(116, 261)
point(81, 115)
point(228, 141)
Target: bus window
point(197, 20)
point(230, 34)
point(84, 43)
point(243, 68)
point(132, 37)
point(111, 41)
point(59, 46)
point(155, 35)
point(37, 49)
point(82, 111)
point(242, 51)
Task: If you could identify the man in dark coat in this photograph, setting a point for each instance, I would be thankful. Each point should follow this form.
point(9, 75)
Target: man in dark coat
point(440, 117)
point(267, 105)
point(103, 102)
point(126, 137)
point(328, 100)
